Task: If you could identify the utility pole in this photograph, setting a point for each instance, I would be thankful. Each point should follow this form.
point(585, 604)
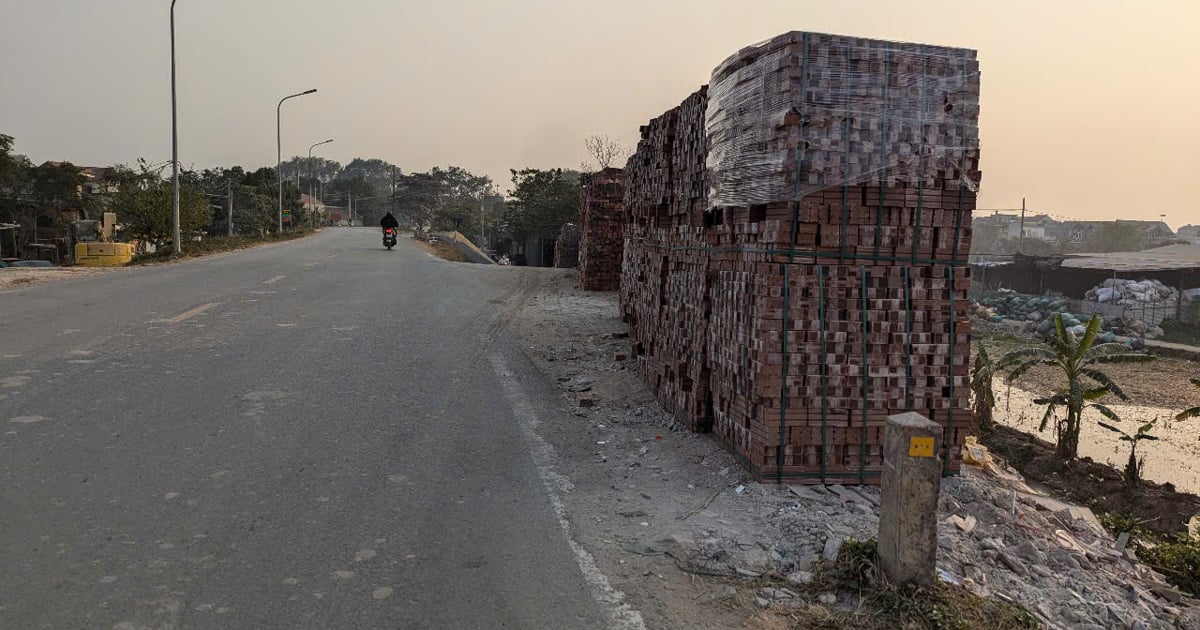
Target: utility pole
point(229, 194)
point(279, 149)
point(1021, 237)
point(481, 243)
point(177, 244)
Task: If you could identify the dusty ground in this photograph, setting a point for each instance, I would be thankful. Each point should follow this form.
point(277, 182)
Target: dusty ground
point(1158, 508)
point(691, 541)
point(11, 278)
point(1157, 391)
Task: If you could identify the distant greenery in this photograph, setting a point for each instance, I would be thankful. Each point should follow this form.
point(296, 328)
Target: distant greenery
point(217, 244)
point(1176, 557)
point(542, 201)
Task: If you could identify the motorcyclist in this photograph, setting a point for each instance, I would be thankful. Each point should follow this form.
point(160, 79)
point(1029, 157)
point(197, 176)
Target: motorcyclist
point(389, 221)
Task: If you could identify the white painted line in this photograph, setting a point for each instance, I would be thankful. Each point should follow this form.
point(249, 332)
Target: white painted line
point(622, 615)
point(192, 313)
point(274, 280)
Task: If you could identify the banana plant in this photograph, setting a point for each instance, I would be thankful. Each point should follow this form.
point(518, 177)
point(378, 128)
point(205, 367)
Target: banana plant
point(1194, 411)
point(1133, 468)
point(981, 388)
point(1077, 359)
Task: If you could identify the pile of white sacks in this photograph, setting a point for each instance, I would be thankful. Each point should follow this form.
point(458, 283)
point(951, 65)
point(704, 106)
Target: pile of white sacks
point(1133, 292)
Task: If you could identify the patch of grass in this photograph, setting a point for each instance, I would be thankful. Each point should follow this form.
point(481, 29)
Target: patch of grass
point(446, 251)
point(884, 604)
point(1177, 557)
point(1176, 331)
point(216, 245)
point(1179, 560)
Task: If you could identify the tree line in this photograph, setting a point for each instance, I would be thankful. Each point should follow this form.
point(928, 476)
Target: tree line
point(50, 195)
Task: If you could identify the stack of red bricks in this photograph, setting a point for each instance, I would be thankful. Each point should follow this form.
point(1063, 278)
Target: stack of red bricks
point(821, 285)
point(665, 284)
point(566, 248)
point(601, 240)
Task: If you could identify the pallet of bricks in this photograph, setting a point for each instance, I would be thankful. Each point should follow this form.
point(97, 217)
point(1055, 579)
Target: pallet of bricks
point(686, 308)
point(601, 241)
point(665, 284)
point(566, 248)
point(842, 179)
point(644, 264)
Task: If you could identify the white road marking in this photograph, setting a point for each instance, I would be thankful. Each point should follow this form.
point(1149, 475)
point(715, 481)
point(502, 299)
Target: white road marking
point(192, 313)
point(274, 280)
point(27, 419)
point(623, 616)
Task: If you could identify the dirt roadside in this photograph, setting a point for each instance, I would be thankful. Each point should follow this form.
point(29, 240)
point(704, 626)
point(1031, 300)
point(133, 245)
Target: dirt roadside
point(19, 277)
point(693, 542)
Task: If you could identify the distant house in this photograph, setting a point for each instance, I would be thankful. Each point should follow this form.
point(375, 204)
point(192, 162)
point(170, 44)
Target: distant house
point(97, 181)
point(1036, 226)
point(1156, 232)
point(1189, 233)
point(314, 207)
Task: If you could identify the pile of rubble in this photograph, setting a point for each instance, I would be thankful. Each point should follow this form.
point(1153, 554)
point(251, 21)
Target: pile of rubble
point(1039, 313)
point(996, 537)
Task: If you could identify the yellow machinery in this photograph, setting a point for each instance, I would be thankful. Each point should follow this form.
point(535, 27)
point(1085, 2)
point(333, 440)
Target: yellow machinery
point(104, 253)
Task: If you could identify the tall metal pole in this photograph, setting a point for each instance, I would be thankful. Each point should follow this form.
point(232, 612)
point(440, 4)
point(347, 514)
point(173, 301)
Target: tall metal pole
point(229, 193)
point(1021, 236)
point(481, 243)
point(311, 199)
point(177, 242)
point(279, 150)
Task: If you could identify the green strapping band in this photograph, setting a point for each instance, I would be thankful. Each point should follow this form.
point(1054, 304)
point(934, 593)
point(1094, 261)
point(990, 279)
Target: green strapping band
point(845, 160)
point(783, 394)
point(954, 259)
point(824, 367)
point(866, 379)
point(908, 403)
point(883, 152)
point(921, 168)
point(796, 196)
point(749, 295)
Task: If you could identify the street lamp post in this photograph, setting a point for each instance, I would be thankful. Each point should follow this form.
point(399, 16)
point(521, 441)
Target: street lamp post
point(279, 149)
point(178, 244)
point(312, 199)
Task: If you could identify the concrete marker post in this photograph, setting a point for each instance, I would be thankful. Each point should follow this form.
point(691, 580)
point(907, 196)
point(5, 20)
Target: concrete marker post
point(911, 481)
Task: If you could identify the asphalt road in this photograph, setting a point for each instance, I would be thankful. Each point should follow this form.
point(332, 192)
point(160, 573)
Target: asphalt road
point(309, 435)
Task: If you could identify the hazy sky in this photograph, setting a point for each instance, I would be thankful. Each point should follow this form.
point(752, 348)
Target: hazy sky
point(1091, 109)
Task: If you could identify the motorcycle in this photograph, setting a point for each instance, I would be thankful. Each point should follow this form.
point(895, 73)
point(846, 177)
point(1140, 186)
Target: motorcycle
point(389, 237)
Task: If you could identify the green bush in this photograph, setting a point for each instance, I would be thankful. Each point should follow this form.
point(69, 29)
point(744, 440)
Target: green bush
point(940, 607)
point(1178, 560)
